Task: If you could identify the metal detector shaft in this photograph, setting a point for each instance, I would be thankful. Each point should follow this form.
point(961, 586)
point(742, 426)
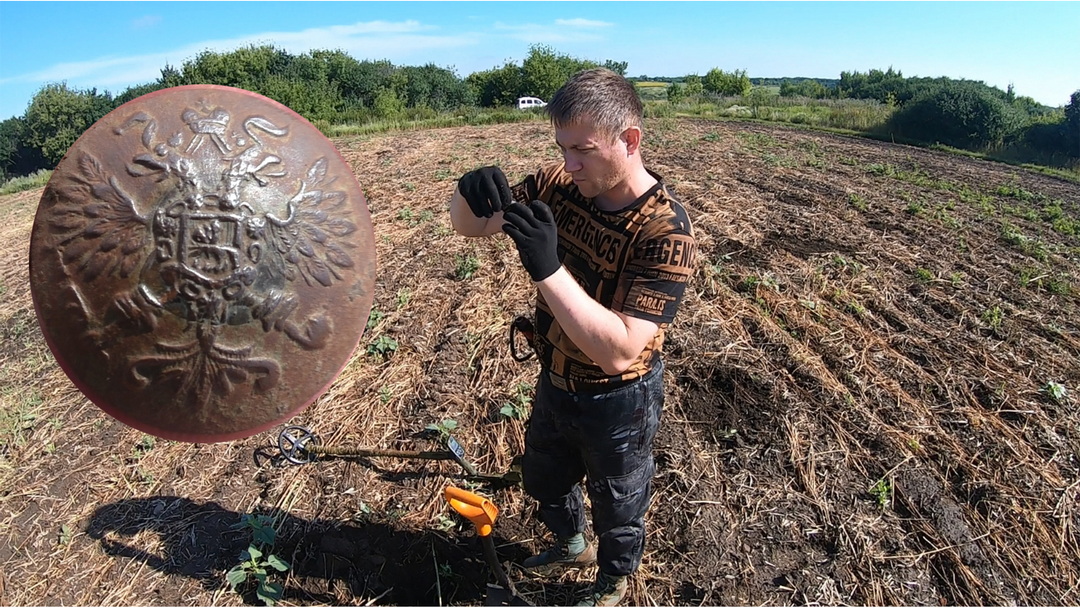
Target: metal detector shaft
point(507, 594)
point(300, 446)
point(482, 512)
point(372, 452)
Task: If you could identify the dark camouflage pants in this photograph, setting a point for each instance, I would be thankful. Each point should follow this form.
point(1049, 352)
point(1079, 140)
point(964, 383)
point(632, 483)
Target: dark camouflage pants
point(607, 439)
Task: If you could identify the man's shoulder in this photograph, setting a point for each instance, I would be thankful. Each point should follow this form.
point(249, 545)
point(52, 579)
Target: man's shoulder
point(553, 174)
point(539, 185)
point(664, 213)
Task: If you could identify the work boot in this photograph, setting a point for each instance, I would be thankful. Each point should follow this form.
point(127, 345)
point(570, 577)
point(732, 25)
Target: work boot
point(572, 552)
point(608, 590)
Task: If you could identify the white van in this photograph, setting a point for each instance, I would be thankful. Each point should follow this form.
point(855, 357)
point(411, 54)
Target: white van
point(526, 103)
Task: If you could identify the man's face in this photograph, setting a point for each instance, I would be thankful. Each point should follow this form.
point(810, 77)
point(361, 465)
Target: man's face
point(598, 162)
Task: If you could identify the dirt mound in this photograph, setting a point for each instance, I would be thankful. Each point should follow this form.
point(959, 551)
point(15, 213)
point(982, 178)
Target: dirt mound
point(863, 406)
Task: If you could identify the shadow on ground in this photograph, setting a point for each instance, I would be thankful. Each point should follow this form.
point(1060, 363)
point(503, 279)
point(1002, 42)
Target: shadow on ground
point(332, 562)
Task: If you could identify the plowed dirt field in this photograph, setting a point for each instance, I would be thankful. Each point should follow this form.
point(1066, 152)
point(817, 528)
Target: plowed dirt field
point(863, 401)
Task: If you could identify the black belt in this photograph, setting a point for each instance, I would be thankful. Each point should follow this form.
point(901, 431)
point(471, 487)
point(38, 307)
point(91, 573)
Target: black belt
point(570, 386)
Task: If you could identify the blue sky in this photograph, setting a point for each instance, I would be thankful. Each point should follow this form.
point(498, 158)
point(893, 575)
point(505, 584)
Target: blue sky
point(113, 45)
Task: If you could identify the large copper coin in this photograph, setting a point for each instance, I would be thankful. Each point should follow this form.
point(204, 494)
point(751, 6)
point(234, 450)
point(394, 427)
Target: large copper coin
point(202, 263)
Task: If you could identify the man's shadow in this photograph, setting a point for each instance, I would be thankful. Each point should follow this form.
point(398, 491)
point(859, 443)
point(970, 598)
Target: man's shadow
point(375, 562)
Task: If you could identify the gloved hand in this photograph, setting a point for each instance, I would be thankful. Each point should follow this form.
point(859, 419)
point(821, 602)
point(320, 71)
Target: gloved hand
point(533, 229)
point(486, 191)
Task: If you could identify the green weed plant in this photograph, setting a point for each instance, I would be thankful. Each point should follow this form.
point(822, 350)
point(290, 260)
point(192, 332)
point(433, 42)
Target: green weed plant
point(258, 561)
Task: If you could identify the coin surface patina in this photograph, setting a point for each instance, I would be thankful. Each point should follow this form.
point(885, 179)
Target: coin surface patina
point(202, 263)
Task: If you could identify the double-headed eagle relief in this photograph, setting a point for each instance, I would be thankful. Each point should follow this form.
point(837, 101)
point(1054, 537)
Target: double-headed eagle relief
point(202, 263)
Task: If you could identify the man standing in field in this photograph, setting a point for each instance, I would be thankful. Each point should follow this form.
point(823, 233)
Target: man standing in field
point(610, 251)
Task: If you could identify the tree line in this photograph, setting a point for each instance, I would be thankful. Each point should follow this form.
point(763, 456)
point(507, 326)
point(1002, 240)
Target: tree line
point(961, 113)
point(322, 86)
point(332, 87)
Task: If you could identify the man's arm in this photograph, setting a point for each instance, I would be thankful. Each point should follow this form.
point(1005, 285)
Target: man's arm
point(478, 200)
point(467, 224)
point(612, 339)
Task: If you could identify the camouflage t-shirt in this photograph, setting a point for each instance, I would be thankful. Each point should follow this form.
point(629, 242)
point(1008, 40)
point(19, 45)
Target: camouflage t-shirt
point(635, 261)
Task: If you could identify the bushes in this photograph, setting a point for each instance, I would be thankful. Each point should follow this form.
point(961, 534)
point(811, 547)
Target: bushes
point(432, 87)
point(805, 88)
point(36, 179)
point(17, 156)
point(675, 93)
point(972, 116)
point(322, 86)
point(58, 115)
point(957, 115)
point(719, 82)
point(659, 109)
point(540, 75)
point(1047, 135)
point(388, 105)
point(1072, 125)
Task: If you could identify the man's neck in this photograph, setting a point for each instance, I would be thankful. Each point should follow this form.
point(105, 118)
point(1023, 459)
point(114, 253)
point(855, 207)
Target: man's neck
point(627, 192)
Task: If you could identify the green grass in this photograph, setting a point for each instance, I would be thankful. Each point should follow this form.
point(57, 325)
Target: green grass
point(1033, 247)
point(915, 176)
point(1069, 173)
point(882, 492)
point(1054, 283)
point(1066, 226)
point(1015, 191)
point(466, 266)
point(983, 202)
point(651, 90)
point(993, 317)
point(471, 116)
point(757, 141)
point(383, 346)
point(915, 208)
point(36, 179)
point(863, 118)
point(18, 418)
point(845, 116)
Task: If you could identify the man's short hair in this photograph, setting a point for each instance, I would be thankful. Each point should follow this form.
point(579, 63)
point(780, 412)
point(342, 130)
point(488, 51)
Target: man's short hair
point(598, 97)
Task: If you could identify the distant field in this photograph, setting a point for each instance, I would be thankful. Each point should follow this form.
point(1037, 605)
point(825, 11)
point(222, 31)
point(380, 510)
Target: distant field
point(652, 90)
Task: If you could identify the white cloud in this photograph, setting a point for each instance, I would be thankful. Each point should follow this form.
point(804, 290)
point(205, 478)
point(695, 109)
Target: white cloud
point(145, 22)
point(369, 28)
point(561, 31)
point(582, 23)
point(395, 41)
point(102, 71)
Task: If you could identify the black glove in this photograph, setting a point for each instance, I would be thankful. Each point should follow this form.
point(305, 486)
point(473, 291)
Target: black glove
point(533, 229)
point(486, 191)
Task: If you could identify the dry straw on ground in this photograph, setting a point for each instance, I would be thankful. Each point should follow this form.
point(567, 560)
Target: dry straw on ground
point(856, 398)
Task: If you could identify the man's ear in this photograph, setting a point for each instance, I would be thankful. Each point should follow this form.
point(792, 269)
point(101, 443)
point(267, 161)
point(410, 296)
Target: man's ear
point(632, 138)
